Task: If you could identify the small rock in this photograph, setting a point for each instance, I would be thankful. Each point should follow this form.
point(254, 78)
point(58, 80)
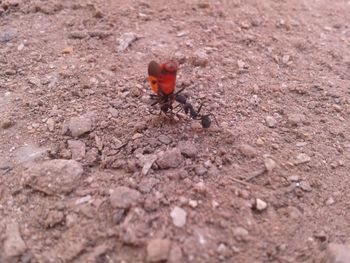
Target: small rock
point(260, 205)
point(296, 119)
point(247, 150)
point(100, 34)
point(200, 170)
point(97, 13)
point(126, 40)
point(118, 216)
point(146, 185)
point(200, 188)
point(14, 245)
point(170, 159)
point(200, 59)
point(302, 158)
point(196, 126)
point(137, 136)
point(240, 234)
point(148, 161)
point(222, 249)
point(285, 59)
point(158, 250)
point(92, 157)
point(83, 200)
point(71, 220)
point(271, 121)
point(214, 204)
point(8, 34)
point(293, 178)
point(77, 149)
point(188, 149)
point(244, 194)
point(50, 124)
point(305, 186)
point(77, 35)
point(175, 254)
point(5, 124)
point(124, 197)
point(20, 47)
point(337, 107)
point(241, 65)
point(152, 203)
point(330, 201)
point(178, 216)
point(53, 177)
point(192, 203)
point(270, 164)
point(207, 164)
point(53, 218)
point(337, 253)
point(260, 142)
point(67, 50)
point(181, 33)
point(294, 212)
point(79, 125)
point(164, 139)
point(203, 5)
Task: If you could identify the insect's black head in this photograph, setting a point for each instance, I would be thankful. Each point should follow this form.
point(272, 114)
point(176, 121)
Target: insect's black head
point(206, 121)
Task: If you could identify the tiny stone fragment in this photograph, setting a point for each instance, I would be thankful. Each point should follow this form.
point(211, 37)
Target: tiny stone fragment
point(126, 40)
point(8, 34)
point(271, 121)
point(124, 197)
point(158, 250)
point(79, 125)
point(260, 205)
point(247, 150)
point(302, 158)
point(164, 139)
point(5, 124)
point(77, 149)
point(188, 149)
point(178, 216)
point(270, 164)
point(170, 159)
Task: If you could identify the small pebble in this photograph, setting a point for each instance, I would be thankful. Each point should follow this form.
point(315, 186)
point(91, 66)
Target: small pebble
point(178, 216)
point(271, 121)
point(270, 164)
point(302, 158)
point(240, 233)
point(5, 124)
point(67, 50)
point(200, 170)
point(164, 139)
point(260, 205)
point(248, 150)
point(192, 203)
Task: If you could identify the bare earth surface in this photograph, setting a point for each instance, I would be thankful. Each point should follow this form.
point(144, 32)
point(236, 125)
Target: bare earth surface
point(87, 174)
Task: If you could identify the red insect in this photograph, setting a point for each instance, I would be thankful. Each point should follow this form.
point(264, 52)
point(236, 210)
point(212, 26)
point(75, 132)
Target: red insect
point(162, 79)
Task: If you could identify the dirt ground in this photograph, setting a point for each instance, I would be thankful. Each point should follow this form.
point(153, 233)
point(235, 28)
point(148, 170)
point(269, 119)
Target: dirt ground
point(87, 174)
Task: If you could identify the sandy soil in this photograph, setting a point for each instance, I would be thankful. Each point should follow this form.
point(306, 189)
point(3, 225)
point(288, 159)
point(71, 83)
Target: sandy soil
point(87, 174)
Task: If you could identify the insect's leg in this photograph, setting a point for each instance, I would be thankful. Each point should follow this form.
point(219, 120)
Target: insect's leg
point(179, 91)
